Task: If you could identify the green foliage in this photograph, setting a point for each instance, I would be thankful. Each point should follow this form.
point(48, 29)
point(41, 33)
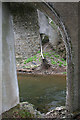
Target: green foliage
point(64, 72)
point(23, 113)
point(53, 25)
point(28, 60)
point(51, 58)
point(39, 59)
point(65, 64)
point(53, 62)
point(35, 66)
point(26, 67)
point(60, 62)
point(49, 55)
point(24, 62)
point(60, 65)
point(57, 56)
point(44, 54)
point(52, 22)
point(62, 59)
point(53, 53)
point(38, 51)
point(34, 56)
point(34, 59)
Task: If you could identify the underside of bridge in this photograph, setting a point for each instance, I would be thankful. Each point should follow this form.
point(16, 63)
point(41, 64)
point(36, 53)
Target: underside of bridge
point(65, 15)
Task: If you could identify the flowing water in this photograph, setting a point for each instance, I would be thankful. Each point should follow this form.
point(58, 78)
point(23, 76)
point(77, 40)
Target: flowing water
point(44, 91)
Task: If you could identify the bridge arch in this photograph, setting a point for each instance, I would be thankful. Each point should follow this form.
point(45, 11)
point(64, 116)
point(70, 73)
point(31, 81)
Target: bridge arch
point(49, 10)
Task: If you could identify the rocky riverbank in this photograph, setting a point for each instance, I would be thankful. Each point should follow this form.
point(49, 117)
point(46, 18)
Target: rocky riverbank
point(27, 110)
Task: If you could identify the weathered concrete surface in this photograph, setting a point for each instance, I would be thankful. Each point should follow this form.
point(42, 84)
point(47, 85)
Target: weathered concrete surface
point(47, 29)
point(10, 93)
point(69, 14)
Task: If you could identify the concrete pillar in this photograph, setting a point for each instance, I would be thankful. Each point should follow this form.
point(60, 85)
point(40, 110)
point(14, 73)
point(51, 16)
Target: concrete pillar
point(10, 93)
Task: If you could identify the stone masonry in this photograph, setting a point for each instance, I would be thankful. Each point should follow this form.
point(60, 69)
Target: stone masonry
point(25, 22)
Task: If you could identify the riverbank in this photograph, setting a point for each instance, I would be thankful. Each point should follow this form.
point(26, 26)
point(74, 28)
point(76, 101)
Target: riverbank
point(33, 64)
point(27, 110)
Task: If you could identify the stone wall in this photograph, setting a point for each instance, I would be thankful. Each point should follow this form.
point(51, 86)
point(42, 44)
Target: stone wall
point(25, 22)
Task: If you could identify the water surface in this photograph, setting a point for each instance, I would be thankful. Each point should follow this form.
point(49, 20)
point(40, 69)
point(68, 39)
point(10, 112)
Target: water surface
point(44, 91)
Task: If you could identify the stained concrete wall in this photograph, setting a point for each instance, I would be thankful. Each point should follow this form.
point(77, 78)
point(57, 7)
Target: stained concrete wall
point(10, 93)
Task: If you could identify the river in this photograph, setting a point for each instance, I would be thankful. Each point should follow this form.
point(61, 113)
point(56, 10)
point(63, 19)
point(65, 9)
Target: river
point(44, 91)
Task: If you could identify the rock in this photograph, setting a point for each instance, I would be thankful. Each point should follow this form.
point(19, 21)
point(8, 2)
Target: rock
point(30, 108)
point(58, 113)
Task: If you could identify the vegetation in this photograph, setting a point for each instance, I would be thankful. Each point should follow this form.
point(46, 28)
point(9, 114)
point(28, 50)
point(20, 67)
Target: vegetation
point(53, 56)
point(64, 72)
point(17, 112)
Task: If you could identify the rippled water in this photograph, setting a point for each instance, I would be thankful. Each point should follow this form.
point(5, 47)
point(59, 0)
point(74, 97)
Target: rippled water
point(44, 91)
